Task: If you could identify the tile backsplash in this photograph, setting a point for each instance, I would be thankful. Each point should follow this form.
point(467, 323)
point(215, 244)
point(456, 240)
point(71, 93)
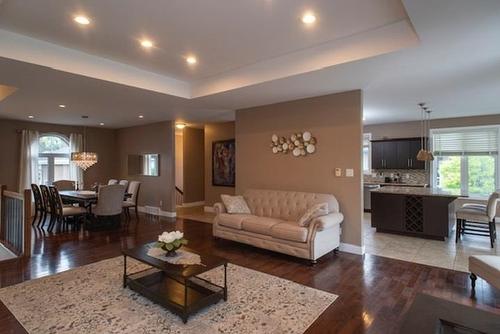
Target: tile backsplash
point(407, 176)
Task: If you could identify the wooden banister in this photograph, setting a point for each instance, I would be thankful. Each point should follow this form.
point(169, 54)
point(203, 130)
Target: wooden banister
point(15, 225)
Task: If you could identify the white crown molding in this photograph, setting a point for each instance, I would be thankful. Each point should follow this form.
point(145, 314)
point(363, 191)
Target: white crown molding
point(35, 51)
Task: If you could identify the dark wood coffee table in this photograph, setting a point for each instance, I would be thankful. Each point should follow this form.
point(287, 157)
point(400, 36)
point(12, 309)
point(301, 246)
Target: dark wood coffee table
point(174, 286)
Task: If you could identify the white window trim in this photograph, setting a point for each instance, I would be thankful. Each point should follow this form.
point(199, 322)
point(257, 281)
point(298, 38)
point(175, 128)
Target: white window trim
point(51, 156)
point(463, 162)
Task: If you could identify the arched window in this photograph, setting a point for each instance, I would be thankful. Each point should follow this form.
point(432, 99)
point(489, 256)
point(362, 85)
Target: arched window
point(53, 158)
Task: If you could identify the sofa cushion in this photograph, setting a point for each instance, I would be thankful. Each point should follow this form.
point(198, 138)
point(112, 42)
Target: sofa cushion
point(285, 205)
point(312, 212)
point(261, 225)
point(289, 231)
point(235, 204)
point(231, 220)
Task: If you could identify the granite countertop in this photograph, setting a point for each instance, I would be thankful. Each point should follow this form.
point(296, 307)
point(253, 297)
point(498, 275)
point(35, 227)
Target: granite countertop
point(419, 191)
point(396, 184)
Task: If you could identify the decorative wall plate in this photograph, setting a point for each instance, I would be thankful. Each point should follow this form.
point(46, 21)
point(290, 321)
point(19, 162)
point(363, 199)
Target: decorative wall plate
point(299, 144)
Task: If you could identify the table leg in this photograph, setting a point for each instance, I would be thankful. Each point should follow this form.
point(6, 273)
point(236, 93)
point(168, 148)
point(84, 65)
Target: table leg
point(124, 271)
point(225, 281)
point(185, 315)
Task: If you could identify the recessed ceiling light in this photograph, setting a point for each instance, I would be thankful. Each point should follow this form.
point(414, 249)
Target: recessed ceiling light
point(308, 18)
point(146, 43)
point(141, 116)
point(180, 126)
point(101, 124)
point(81, 19)
point(31, 116)
point(191, 60)
point(62, 106)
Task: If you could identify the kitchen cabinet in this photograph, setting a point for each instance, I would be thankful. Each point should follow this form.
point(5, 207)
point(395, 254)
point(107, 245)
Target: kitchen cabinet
point(396, 154)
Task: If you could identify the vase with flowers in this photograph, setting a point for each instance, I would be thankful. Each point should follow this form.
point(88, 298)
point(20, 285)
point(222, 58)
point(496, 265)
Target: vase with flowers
point(171, 241)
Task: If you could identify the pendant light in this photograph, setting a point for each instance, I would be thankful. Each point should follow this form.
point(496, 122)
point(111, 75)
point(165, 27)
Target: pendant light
point(424, 154)
point(84, 159)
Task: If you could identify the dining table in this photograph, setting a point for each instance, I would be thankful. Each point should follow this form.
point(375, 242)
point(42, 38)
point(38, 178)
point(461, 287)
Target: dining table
point(85, 197)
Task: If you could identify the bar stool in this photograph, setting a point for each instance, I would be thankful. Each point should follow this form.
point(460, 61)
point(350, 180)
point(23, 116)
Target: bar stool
point(477, 219)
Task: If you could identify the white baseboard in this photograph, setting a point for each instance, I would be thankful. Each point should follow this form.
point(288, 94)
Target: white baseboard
point(190, 205)
point(157, 212)
point(209, 209)
point(350, 248)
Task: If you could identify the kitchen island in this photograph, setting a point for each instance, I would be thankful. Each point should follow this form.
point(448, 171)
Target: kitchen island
point(419, 212)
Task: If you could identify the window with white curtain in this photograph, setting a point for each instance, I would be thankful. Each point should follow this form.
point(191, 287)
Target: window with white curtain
point(367, 153)
point(466, 159)
point(53, 158)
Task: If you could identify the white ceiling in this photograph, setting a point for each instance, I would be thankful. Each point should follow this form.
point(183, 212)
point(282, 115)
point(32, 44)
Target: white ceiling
point(251, 53)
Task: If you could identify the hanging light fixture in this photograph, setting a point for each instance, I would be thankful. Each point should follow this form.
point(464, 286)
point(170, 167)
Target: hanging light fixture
point(424, 154)
point(84, 159)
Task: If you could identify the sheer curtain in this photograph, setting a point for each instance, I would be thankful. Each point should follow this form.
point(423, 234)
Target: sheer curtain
point(28, 163)
point(76, 145)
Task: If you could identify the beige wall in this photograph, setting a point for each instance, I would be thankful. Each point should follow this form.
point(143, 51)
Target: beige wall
point(336, 121)
point(193, 165)
point(101, 141)
point(153, 138)
point(215, 132)
point(412, 129)
point(179, 177)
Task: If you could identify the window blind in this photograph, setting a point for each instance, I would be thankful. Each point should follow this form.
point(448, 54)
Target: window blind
point(466, 141)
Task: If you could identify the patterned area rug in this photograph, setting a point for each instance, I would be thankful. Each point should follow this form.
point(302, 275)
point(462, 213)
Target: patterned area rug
point(90, 299)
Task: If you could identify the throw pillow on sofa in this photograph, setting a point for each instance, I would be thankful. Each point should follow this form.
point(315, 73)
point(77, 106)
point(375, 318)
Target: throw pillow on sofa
point(314, 211)
point(235, 204)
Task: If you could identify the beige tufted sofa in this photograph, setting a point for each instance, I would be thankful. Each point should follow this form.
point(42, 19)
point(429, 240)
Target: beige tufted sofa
point(273, 223)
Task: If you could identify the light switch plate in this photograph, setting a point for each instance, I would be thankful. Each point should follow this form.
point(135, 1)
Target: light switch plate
point(349, 172)
point(338, 172)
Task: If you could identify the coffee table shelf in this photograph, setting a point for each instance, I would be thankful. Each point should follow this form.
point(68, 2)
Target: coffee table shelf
point(176, 287)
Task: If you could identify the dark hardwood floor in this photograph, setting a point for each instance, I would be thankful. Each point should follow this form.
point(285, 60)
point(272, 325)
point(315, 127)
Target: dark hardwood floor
point(374, 292)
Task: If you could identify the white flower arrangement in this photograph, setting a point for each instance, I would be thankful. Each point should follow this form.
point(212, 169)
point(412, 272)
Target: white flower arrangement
point(171, 241)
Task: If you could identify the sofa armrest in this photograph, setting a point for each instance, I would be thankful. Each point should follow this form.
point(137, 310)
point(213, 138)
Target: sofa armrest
point(219, 208)
point(327, 221)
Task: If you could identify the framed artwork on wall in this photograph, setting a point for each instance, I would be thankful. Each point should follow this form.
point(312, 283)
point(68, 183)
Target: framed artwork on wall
point(224, 163)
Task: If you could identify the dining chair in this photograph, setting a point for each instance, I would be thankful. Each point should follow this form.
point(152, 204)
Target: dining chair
point(62, 185)
point(477, 219)
point(109, 203)
point(112, 181)
point(62, 212)
point(131, 202)
point(47, 203)
point(39, 205)
point(124, 183)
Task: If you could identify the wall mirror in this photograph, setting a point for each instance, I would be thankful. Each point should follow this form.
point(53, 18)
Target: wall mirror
point(144, 164)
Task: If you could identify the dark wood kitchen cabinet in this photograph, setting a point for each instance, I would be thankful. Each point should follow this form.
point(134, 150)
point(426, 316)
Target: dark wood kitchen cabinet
point(396, 154)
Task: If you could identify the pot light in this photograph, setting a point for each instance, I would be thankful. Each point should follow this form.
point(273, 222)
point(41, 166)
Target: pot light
point(308, 18)
point(81, 19)
point(141, 116)
point(101, 124)
point(31, 116)
point(62, 106)
point(191, 60)
point(180, 126)
point(146, 43)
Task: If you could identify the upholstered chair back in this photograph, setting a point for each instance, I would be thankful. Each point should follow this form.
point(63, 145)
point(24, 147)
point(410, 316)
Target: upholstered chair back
point(109, 201)
point(491, 207)
point(112, 181)
point(124, 183)
point(133, 189)
point(286, 205)
point(62, 185)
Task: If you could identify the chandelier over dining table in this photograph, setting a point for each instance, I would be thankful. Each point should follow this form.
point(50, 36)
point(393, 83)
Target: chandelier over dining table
point(84, 159)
